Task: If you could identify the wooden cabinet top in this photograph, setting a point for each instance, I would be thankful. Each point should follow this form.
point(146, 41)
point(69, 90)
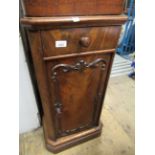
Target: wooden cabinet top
point(47, 8)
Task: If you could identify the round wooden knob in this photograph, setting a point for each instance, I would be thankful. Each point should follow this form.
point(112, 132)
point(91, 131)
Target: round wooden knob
point(85, 41)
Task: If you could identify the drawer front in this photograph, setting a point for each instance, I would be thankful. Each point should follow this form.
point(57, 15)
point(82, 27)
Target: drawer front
point(71, 7)
point(77, 40)
point(77, 86)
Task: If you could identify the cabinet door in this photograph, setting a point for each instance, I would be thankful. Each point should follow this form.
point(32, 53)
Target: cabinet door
point(77, 86)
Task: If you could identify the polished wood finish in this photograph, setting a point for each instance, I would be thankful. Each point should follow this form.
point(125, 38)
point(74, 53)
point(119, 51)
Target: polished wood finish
point(68, 141)
point(74, 84)
point(40, 71)
point(72, 78)
point(85, 41)
point(80, 40)
point(78, 54)
point(71, 7)
point(63, 22)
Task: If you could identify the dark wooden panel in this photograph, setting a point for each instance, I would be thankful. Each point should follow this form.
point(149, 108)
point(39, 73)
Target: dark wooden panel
point(80, 39)
point(76, 85)
point(39, 66)
point(71, 7)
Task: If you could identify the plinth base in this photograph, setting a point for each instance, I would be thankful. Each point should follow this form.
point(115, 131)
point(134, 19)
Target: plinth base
point(68, 141)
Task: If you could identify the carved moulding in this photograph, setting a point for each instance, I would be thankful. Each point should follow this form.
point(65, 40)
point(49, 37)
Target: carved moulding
point(80, 66)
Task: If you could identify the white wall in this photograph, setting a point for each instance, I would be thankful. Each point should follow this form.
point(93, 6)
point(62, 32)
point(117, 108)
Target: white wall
point(28, 119)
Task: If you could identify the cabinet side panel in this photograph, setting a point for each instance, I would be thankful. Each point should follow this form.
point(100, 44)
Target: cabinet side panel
point(36, 51)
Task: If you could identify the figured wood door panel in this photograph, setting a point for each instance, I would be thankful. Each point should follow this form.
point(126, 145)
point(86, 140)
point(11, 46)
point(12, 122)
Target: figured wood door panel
point(77, 85)
point(79, 39)
point(71, 7)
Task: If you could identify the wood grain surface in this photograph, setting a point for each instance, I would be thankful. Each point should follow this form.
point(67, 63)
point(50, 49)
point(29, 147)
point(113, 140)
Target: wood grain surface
point(76, 91)
point(68, 22)
point(71, 7)
point(100, 38)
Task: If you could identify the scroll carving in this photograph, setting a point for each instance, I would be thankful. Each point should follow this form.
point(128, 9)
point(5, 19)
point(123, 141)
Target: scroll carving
point(79, 66)
point(65, 133)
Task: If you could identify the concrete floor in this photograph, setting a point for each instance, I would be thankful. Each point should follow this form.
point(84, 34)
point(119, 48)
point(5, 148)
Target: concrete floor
point(118, 133)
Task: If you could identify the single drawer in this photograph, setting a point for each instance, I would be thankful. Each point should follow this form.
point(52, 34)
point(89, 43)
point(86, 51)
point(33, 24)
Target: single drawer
point(71, 7)
point(77, 40)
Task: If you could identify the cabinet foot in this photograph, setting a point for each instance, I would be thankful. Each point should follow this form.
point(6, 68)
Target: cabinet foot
point(68, 141)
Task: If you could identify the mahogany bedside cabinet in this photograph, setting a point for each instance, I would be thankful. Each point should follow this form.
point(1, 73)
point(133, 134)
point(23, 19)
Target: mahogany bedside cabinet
point(72, 43)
